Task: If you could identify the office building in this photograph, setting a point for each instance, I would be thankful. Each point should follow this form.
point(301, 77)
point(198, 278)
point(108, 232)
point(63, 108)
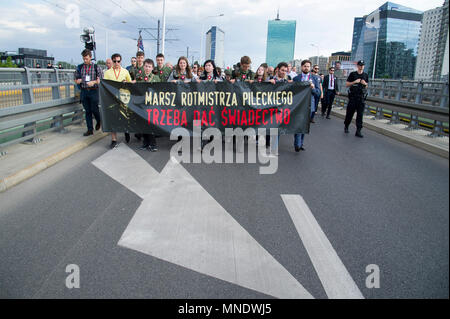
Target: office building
point(280, 41)
point(398, 37)
point(28, 57)
point(427, 56)
point(215, 46)
point(322, 61)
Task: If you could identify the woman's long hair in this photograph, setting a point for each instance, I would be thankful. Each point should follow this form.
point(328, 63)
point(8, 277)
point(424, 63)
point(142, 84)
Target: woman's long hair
point(264, 76)
point(188, 68)
point(215, 73)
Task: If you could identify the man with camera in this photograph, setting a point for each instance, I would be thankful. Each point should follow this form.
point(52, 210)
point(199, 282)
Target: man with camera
point(87, 76)
point(357, 81)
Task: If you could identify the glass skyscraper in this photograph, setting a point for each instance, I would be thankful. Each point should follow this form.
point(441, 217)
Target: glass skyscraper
point(399, 32)
point(280, 41)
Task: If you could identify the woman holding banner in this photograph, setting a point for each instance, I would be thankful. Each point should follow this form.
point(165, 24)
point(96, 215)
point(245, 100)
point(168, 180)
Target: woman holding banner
point(210, 73)
point(182, 72)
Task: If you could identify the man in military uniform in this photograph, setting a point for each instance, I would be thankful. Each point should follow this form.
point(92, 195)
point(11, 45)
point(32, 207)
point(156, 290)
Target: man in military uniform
point(161, 70)
point(137, 71)
point(149, 77)
point(357, 81)
point(244, 73)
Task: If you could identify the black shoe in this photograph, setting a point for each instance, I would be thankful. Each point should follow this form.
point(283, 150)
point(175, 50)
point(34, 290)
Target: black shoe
point(346, 129)
point(98, 125)
point(358, 134)
point(302, 148)
point(113, 144)
point(88, 133)
point(297, 149)
point(127, 137)
point(138, 136)
point(153, 148)
point(312, 121)
point(328, 117)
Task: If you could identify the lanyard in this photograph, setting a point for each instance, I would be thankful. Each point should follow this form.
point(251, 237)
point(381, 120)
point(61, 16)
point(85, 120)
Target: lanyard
point(117, 75)
point(85, 67)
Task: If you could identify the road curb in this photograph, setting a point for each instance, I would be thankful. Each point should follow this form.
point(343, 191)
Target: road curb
point(429, 147)
point(28, 172)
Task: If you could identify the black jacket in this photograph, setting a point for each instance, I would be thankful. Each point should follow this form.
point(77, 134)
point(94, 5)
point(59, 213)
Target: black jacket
point(325, 83)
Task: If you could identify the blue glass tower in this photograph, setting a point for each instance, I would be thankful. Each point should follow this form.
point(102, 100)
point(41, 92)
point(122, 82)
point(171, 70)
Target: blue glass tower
point(280, 41)
point(398, 39)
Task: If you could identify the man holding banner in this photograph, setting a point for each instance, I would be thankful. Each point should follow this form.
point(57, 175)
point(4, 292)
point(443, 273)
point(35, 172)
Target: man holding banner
point(118, 74)
point(314, 81)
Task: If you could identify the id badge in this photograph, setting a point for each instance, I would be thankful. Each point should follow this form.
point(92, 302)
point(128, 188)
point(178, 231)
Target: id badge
point(87, 78)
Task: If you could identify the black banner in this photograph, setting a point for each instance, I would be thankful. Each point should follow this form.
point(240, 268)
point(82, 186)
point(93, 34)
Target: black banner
point(160, 107)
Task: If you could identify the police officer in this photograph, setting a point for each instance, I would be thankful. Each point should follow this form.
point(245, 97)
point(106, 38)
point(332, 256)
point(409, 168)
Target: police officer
point(357, 81)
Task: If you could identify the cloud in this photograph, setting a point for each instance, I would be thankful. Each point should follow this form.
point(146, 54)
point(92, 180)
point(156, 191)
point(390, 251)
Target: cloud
point(328, 24)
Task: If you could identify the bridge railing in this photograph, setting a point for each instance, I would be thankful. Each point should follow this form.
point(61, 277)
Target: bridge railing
point(419, 103)
point(33, 101)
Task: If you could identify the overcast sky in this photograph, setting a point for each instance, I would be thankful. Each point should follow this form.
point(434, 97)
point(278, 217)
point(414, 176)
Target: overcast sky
point(49, 25)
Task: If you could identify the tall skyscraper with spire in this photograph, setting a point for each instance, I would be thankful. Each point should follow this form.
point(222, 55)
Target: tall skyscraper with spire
point(280, 40)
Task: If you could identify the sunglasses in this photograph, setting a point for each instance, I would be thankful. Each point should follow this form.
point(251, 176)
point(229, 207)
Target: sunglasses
point(116, 61)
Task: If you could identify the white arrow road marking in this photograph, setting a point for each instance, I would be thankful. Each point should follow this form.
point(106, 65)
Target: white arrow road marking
point(335, 278)
point(128, 168)
point(180, 222)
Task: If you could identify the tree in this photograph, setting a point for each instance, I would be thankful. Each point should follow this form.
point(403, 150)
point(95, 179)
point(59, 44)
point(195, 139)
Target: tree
point(8, 64)
point(101, 62)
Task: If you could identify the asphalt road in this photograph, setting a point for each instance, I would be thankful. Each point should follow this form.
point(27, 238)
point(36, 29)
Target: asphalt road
point(378, 201)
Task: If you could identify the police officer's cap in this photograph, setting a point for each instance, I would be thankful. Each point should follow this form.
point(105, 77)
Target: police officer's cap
point(361, 62)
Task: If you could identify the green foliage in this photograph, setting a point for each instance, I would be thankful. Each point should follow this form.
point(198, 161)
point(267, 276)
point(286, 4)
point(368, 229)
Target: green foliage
point(8, 63)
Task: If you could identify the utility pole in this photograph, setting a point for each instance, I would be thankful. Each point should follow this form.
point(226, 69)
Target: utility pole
point(157, 38)
point(163, 27)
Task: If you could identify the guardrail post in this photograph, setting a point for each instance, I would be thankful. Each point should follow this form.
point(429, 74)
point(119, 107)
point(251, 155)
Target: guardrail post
point(437, 129)
point(419, 93)
point(383, 88)
point(414, 122)
point(28, 98)
point(444, 95)
point(398, 95)
point(27, 94)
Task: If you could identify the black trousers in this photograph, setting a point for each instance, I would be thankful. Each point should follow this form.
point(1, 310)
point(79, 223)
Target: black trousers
point(355, 104)
point(149, 139)
point(328, 99)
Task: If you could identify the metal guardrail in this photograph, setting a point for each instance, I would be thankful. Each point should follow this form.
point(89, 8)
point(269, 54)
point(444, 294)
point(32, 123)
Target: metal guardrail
point(416, 92)
point(34, 101)
point(420, 103)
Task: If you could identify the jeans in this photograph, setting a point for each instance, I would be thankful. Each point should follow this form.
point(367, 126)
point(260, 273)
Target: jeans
point(89, 99)
point(298, 139)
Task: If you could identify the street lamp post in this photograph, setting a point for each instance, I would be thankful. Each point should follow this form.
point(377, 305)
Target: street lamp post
point(203, 27)
point(376, 49)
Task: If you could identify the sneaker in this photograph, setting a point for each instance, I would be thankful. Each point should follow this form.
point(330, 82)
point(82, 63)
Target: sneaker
point(346, 129)
point(153, 148)
point(297, 149)
point(88, 133)
point(328, 117)
point(113, 144)
point(143, 148)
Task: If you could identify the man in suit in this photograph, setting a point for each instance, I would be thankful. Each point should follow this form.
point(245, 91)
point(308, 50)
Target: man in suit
point(314, 81)
point(330, 89)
